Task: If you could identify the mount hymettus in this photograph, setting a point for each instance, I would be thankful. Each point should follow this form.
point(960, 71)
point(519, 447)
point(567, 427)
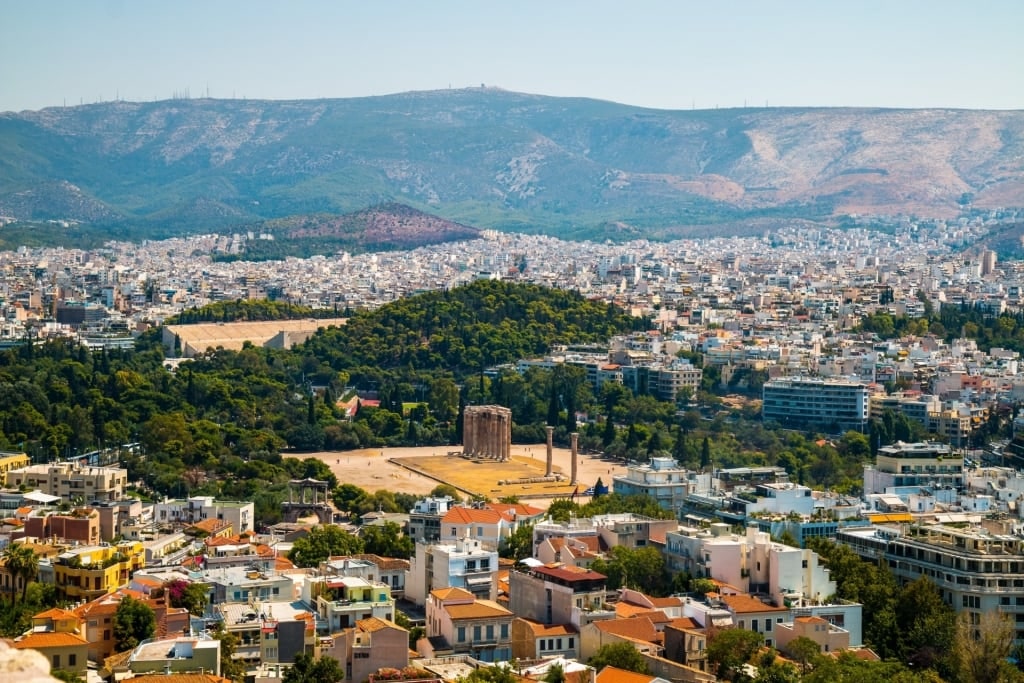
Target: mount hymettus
point(495, 159)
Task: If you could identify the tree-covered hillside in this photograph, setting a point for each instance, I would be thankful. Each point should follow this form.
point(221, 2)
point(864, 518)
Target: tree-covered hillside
point(463, 330)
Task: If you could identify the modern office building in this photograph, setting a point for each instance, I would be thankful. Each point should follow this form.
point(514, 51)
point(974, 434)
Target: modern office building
point(834, 405)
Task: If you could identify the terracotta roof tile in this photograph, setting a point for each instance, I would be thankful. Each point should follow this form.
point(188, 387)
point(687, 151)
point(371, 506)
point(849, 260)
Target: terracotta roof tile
point(544, 630)
point(56, 613)
point(479, 609)
point(638, 628)
point(36, 641)
point(462, 515)
point(444, 594)
point(180, 678)
point(745, 604)
point(611, 674)
point(374, 624)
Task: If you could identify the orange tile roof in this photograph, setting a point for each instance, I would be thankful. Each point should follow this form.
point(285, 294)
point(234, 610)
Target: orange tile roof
point(461, 515)
point(211, 525)
point(685, 623)
point(373, 624)
point(670, 601)
point(638, 628)
point(745, 604)
point(611, 674)
point(444, 594)
point(625, 610)
point(479, 609)
point(180, 678)
point(513, 511)
point(56, 613)
point(810, 620)
point(46, 639)
point(544, 630)
point(655, 615)
point(144, 580)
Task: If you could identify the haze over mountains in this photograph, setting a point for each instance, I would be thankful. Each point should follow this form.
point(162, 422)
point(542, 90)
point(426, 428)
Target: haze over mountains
point(494, 159)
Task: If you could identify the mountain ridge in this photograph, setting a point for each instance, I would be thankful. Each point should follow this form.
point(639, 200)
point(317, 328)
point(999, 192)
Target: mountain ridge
point(498, 159)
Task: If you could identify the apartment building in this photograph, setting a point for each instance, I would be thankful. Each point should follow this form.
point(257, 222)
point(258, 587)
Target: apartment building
point(88, 572)
point(341, 601)
point(977, 570)
point(558, 595)
point(466, 563)
point(370, 645)
point(240, 515)
point(836, 405)
point(57, 635)
point(72, 481)
point(928, 464)
point(662, 479)
point(426, 515)
point(459, 623)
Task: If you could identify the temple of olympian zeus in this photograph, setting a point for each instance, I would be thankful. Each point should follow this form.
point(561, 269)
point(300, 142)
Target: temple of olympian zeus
point(487, 432)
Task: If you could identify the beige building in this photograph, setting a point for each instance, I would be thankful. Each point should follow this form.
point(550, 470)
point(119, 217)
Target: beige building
point(58, 635)
point(460, 624)
point(370, 645)
point(72, 481)
point(829, 637)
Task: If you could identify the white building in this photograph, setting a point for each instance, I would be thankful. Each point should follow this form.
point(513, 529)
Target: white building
point(239, 514)
point(465, 563)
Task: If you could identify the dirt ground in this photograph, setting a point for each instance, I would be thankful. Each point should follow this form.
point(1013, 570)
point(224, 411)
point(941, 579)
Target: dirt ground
point(373, 469)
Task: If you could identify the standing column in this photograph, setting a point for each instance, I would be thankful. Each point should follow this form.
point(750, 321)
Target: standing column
point(551, 441)
point(508, 435)
point(574, 440)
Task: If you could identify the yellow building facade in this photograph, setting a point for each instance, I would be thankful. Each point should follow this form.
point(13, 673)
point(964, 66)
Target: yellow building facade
point(93, 571)
point(11, 461)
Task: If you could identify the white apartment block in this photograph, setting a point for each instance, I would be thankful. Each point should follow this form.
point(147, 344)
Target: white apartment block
point(239, 514)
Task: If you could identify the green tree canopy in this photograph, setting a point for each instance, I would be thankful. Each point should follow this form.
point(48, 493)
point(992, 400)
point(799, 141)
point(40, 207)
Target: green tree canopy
point(386, 540)
point(309, 670)
point(322, 542)
point(731, 648)
point(620, 655)
point(134, 621)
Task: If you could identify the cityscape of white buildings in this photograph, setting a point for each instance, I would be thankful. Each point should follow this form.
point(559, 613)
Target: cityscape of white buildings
point(785, 304)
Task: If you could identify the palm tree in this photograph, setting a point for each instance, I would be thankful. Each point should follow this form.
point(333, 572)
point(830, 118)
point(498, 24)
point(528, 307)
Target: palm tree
point(22, 562)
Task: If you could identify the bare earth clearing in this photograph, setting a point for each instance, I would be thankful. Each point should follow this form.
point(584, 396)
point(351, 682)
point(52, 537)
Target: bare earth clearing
point(378, 468)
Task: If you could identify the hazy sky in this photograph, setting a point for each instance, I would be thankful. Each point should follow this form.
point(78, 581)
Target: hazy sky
point(673, 54)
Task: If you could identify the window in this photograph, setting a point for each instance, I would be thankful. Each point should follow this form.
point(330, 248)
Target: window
point(572, 643)
point(56, 661)
point(461, 634)
point(504, 631)
point(490, 631)
point(454, 532)
point(543, 644)
point(768, 625)
point(479, 532)
point(476, 632)
point(72, 660)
